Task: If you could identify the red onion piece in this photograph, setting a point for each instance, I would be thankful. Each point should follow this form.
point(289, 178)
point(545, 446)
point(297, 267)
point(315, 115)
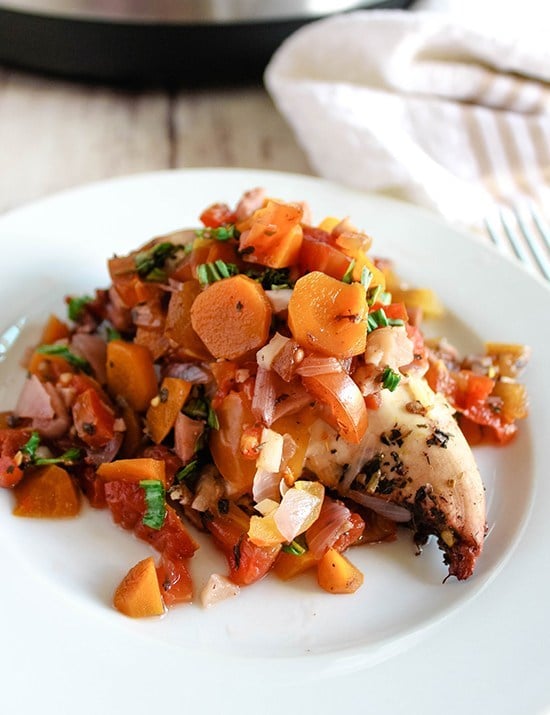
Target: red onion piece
point(292, 400)
point(58, 425)
point(265, 485)
point(189, 371)
point(34, 400)
point(313, 365)
point(263, 398)
point(186, 434)
point(106, 453)
point(395, 512)
point(250, 202)
point(333, 521)
point(93, 349)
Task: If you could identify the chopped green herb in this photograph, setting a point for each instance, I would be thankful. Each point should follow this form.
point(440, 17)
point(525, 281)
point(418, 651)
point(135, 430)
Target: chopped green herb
point(390, 379)
point(112, 333)
point(76, 306)
point(377, 319)
point(188, 471)
point(63, 351)
point(395, 321)
point(29, 449)
point(156, 503)
point(384, 298)
point(208, 273)
point(68, 457)
point(150, 264)
point(366, 277)
point(272, 278)
point(373, 295)
point(348, 275)
point(294, 548)
point(212, 419)
point(222, 233)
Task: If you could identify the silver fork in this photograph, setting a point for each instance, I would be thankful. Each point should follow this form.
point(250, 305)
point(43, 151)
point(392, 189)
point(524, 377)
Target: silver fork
point(522, 232)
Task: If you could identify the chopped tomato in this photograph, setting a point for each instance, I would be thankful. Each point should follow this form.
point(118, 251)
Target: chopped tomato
point(172, 463)
point(318, 253)
point(470, 389)
point(352, 535)
point(11, 441)
point(128, 507)
point(93, 419)
point(92, 486)
point(174, 580)
point(217, 215)
point(247, 562)
point(397, 311)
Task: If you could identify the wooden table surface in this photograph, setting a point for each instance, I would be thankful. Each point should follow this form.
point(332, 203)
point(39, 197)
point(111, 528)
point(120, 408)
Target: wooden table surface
point(57, 134)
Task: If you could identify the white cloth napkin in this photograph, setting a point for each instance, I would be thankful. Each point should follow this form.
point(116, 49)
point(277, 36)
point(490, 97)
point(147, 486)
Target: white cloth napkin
point(449, 112)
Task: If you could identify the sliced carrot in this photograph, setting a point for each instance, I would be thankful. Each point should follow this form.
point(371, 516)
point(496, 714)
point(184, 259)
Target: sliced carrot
point(164, 408)
point(336, 574)
point(232, 317)
point(273, 235)
point(131, 374)
point(345, 406)
point(328, 316)
point(133, 470)
point(178, 329)
point(138, 594)
point(54, 329)
point(46, 492)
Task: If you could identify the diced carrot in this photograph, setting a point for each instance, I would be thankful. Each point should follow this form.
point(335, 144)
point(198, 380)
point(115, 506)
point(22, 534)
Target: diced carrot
point(289, 566)
point(48, 367)
point(178, 330)
point(129, 286)
point(336, 574)
point(133, 470)
point(138, 594)
point(346, 410)
point(131, 374)
point(162, 413)
point(328, 316)
point(46, 492)
point(273, 235)
point(54, 329)
point(232, 317)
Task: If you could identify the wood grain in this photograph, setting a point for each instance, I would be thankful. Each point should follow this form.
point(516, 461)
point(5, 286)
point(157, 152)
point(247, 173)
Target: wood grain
point(56, 134)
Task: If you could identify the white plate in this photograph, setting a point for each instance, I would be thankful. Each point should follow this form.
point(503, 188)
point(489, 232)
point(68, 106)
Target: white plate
point(404, 643)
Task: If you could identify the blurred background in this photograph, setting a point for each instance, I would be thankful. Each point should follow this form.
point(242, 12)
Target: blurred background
point(92, 89)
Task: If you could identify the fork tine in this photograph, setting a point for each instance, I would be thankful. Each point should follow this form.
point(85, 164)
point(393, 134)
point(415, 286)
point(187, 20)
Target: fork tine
point(532, 241)
point(511, 232)
point(541, 225)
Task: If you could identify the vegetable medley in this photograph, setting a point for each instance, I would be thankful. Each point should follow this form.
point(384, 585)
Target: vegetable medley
point(210, 386)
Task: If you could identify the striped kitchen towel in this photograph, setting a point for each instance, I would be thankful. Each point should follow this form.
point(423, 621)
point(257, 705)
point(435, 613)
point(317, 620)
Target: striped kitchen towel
point(447, 112)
